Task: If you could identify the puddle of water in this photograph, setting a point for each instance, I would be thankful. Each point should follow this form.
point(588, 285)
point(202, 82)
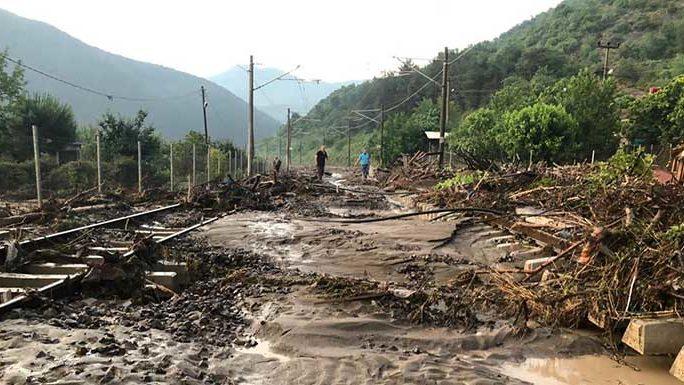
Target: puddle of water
point(263, 348)
point(592, 370)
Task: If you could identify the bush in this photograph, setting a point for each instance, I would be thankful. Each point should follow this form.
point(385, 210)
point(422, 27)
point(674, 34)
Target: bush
point(123, 172)
point(14, 175)
point(546, 130)
point(72, 176)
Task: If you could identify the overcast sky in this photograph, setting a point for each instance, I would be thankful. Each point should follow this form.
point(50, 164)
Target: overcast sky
point(330, 39)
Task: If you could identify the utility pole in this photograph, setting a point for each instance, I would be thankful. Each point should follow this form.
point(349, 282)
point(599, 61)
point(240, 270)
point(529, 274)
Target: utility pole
point(382, 135)
point(204, 112)
point(99, 163)
point(139, 168)
point(443, 115)
point(250, 120)
point(607, 46)
point(171, 164)
point(36, 161)
point(194, 165)
point(349, 142)
point(289, 141)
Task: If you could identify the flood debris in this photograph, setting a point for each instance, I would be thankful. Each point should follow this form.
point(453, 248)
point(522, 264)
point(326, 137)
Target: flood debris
point(617, 235)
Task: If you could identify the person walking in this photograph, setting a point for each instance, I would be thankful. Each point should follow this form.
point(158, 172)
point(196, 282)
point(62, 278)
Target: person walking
point(321, 156)
point(276, 169)
point(364, 160)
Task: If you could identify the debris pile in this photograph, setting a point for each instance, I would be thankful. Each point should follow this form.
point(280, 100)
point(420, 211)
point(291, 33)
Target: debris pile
point(412, 171)
point(617, 232)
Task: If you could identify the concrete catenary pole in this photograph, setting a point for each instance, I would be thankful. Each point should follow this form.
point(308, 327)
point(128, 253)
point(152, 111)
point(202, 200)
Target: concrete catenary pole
point(250, 117)
point(443, 114)
point(382, 135)
point(349, 123)
point(289, 141)
point(208, 164)
point(36, 161)
point(204, 113)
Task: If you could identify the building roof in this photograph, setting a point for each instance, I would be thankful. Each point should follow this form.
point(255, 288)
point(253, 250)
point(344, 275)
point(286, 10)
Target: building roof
point(434, 135)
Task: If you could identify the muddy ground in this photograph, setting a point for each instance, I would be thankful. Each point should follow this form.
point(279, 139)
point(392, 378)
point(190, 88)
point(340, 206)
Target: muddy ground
point(286, 297)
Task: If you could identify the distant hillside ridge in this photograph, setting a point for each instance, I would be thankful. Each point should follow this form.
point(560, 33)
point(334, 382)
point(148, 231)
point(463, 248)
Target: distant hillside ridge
point(171, 97)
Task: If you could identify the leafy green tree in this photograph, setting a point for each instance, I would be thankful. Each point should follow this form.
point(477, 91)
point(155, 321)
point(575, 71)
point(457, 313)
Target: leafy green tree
point(659, 118)
point(592, 103)
point(55, 121)
point(478, 134)
point(548, 131)
point(11, 91)
point(120, 136)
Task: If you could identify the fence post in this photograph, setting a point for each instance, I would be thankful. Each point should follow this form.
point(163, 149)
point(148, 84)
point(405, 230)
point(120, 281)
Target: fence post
point(194, 165)
point(593, 155)
point(171, 164)
point(218, 164)
point(139, 168)
point(36, 161)
point(208, 164)
point(99, 162)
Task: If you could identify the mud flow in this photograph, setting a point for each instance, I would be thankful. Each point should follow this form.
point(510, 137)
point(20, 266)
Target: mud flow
point(300, 295)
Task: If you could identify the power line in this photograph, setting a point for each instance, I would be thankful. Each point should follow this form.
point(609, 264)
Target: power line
point(107, 95)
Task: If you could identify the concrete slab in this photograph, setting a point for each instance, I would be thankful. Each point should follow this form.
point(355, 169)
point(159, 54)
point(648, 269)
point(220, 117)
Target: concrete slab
point(53, 268)
point(7, 293)
point(655, 336)
point(29, 280)
point(677, 368)
point(530, 253)
point(180, 268)
point(94, 260)
point(167, 279)
point(533, 264)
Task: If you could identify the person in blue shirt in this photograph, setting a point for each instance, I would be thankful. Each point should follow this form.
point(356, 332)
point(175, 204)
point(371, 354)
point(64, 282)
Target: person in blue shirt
point(364, 160)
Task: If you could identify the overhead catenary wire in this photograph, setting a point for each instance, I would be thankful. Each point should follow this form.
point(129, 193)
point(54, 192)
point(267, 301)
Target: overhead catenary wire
point(108, 95)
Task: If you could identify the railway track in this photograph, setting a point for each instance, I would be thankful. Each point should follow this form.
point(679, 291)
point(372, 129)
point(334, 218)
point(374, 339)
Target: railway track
point(55, 262)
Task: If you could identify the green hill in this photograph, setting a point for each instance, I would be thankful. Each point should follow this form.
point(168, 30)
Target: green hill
point(171, 97)
point(556, 44)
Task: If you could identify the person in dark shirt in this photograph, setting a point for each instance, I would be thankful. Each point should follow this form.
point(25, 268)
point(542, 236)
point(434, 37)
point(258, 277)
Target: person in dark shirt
point(321, 156)
point(276, 169)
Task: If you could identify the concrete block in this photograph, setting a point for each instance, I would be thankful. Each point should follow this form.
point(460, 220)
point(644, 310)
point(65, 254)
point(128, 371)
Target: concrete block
point(534, 264)
point(94, 260)
point(655, 336)
point(529, 253)
point(180, 268)
point(165, 278)
point(29, 280)
point(7, 293)
point(53, 268)
point(511, 246)
point(677, 368)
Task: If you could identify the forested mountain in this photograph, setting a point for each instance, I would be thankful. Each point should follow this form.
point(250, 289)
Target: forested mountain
point(171, 97)
point(275, 99)
point(553, 45)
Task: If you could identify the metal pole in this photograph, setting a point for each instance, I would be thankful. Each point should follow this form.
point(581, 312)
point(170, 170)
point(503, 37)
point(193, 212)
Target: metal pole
point(289, 141)
point(139, 167)
point(99, 163)
point(443, 115)
point(36, 161)
point(194, 165)
point(250, 121)
point(171, 164)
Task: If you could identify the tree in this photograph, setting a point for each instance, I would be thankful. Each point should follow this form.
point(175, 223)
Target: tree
point(658, 118)
point(55, 121)
point(592, 103)
point(548, 131)
point(11, 91)
point(120, 136)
